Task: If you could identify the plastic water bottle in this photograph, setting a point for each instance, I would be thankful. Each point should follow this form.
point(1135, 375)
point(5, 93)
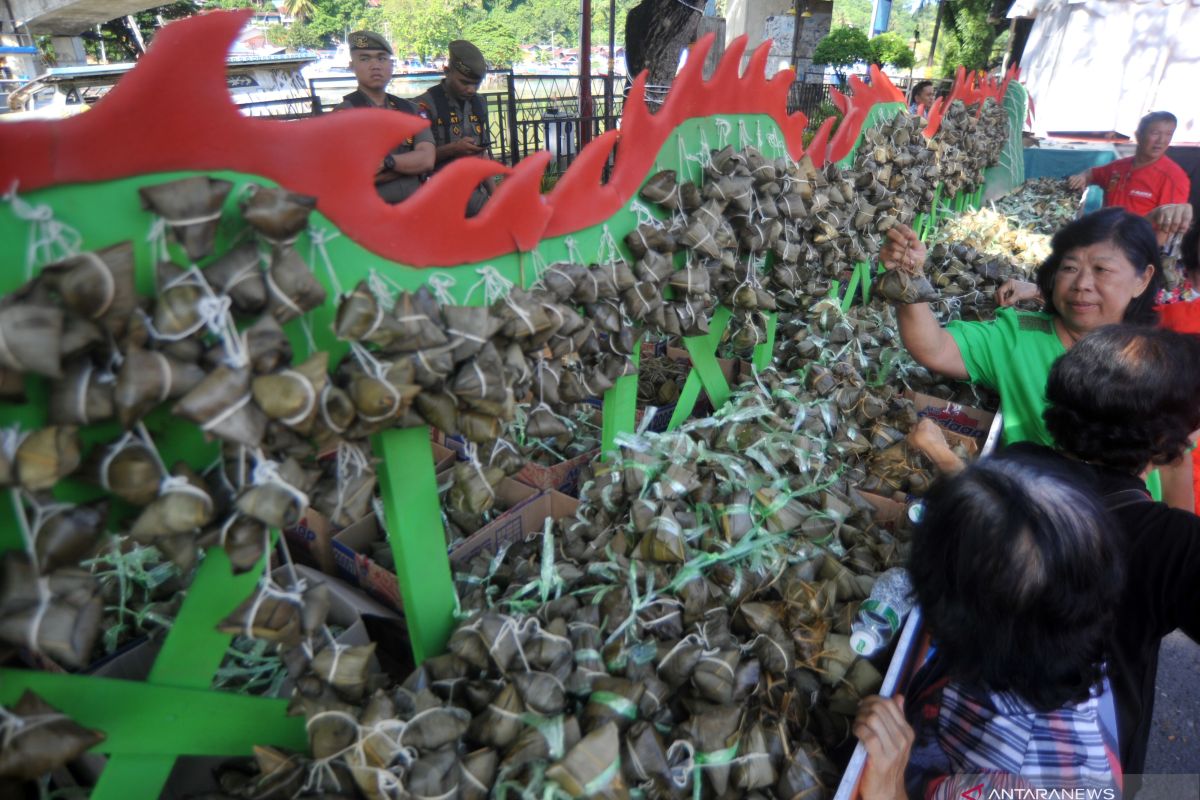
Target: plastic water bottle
point(881, 615)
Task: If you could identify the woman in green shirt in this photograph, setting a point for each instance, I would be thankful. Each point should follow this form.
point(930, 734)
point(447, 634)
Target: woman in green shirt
point(1103, 268)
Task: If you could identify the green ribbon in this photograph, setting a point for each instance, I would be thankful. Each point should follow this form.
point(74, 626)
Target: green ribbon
point(603, 779)
point(716, 758)
point(621, 705)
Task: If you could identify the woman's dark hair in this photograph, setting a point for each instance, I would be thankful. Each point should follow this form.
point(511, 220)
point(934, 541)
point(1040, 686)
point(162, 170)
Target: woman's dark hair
point(1153, 117)
point(1126, 396)
point(1189, 258)
point(1135, 238)
point(916, 90)
point(1017, 569)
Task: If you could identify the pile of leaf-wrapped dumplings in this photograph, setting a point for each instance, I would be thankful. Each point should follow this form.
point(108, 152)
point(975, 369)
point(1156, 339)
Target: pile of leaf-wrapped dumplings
point(684, 634)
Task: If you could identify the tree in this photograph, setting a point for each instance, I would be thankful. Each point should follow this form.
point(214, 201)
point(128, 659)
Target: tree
point(841, 49)
point(426, 27)
point(119, 41)
point(971, 30)
point(299, 9)
point(493, 35)
point(890, 49)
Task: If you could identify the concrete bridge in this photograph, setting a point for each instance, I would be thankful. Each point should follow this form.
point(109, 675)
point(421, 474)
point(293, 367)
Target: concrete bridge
point(70, 17)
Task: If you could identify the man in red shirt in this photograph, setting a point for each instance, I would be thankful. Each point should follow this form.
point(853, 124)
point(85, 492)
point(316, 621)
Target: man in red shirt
point(1146, 180)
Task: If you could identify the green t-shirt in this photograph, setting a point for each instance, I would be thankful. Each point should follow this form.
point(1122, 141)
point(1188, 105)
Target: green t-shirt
point(1012, 356)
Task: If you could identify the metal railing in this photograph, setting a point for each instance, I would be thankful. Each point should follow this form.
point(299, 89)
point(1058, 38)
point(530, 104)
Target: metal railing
point(525, 113)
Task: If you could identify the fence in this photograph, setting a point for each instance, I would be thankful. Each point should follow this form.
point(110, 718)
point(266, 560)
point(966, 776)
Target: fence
point(525, 113)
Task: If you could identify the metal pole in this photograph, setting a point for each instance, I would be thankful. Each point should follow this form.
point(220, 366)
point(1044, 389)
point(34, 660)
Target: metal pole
point(514, 155)
point(937, 27)
point(612, 57)
point(585, 74)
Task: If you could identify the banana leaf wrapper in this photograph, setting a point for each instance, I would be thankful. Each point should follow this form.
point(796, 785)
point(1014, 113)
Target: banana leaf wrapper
point(898, 286)
point(479, 427)
point(716, 737)
point(97, 285)
point(345, 668)
point(678, 660)
point(662, 188)
point(644, 758)
point(223, 406)
point(275, 213)
point(148, 378)
point(63, 624)
point(178, 509)
point(30, 339)
point(238, 274)
point(129, 471)
point(753, 767)
point(177, 306)
point(500, 724)
point(592, 768)
point(478, 773)
point(544, 739)
point(436, 728)
point(243, 539)
point(715, 676)
point(345, 504)
point(44, 740)
point(291, 396)
point(433, 776)
point(281, 619)
point(267, 346)
point(331, 734)
point(541, 692)
point(70, 534)
point(613, 700)
point(292, 290)
point(84, 395)
point(481, 377)
point(46, 456)
point(469, 328)
point(800, 779)
point(191, 208)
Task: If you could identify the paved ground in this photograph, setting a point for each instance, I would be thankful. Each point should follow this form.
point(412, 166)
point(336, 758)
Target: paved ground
point(1175, 738)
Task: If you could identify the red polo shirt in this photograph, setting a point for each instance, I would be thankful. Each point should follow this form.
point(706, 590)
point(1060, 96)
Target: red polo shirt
point(1143, 189)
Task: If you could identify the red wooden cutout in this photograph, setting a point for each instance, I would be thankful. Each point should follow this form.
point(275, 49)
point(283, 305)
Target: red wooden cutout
point(173, 113)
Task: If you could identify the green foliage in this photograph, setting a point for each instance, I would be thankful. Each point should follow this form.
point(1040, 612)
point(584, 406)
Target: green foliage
point(970, 36)
point(842, 48)
point(903, 21)
point(426, 27)
point(891, 49)
point(297, 36)
point(496, 40)
point(119, 42)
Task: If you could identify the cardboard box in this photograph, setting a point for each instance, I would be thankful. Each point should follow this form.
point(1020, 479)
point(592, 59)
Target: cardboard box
point(351, 547)
point(966, 420)
point(521, 523)
point(311, 540)
point(888, 512)
point(563, 477)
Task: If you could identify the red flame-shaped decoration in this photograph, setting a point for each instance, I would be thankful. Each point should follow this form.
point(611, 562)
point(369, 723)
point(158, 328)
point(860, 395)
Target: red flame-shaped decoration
point(173, 113)
point(973, 87)
point(857, 107)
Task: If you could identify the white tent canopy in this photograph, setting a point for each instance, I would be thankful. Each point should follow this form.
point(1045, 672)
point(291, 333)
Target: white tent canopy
point(1099, 65)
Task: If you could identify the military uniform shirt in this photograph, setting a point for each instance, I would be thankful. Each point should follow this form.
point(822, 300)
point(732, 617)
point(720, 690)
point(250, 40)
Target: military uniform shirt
point(403, 185)
point(464, 118)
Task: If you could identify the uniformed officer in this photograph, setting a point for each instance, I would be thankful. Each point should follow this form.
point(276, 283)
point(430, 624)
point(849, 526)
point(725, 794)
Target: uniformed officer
point(405, 167)
point(458, 114)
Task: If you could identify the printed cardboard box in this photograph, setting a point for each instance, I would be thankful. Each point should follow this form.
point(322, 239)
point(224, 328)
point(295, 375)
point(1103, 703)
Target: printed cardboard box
point(563, 477)
point(311, 540)
point(351, 547)
point(519, 524)
point(966, 420)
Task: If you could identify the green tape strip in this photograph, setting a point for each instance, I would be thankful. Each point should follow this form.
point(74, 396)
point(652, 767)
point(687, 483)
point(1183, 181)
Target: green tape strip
point(148, 720)
point(621, 705)
point(620, 407)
